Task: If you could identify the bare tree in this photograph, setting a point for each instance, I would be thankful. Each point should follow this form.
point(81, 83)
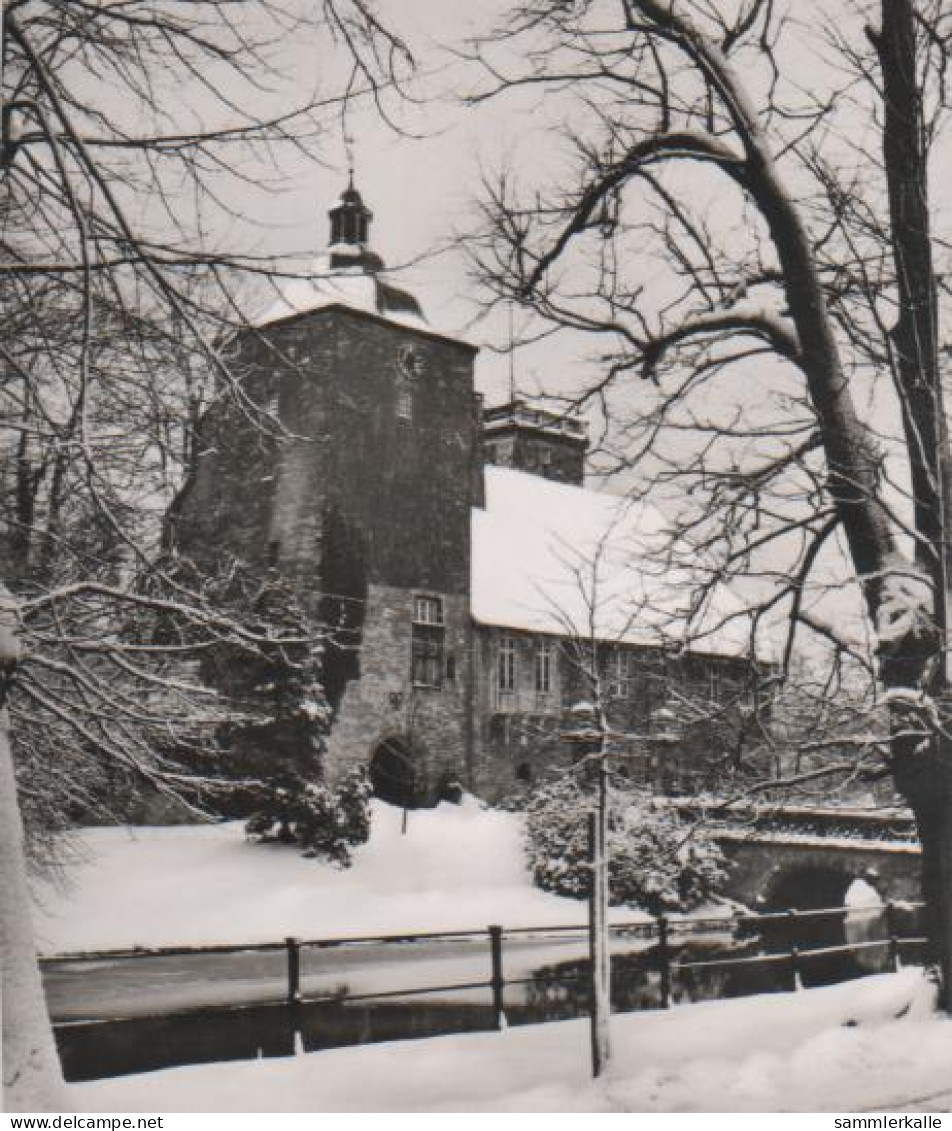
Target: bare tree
point(133, 138)
point(787, 253)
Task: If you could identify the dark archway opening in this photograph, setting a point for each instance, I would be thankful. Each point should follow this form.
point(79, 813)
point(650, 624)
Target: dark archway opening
point(801, 889)
point(808, 888)
point(397, 775)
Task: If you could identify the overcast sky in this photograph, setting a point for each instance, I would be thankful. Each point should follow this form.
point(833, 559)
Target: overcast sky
point(421, 180)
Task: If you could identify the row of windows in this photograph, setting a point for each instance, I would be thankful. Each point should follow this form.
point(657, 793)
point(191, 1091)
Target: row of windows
point(429, 663)
point(627, 674)
point(507, 664)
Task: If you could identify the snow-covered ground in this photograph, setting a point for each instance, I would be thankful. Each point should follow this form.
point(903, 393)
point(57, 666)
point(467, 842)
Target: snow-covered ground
point(458, 867)
point(864, 1045)
point(872, 1045)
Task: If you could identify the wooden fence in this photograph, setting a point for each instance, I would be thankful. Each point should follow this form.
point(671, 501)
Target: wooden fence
point(660, 934)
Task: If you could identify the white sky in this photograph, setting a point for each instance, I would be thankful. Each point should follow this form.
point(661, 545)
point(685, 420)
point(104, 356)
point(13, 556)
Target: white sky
point(421, 183)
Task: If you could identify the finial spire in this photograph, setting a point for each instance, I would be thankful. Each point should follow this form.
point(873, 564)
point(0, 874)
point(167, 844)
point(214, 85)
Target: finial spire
point(349, 154)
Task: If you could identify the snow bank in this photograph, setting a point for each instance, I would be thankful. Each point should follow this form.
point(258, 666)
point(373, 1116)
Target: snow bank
point(869, 1045)
point(458, 867)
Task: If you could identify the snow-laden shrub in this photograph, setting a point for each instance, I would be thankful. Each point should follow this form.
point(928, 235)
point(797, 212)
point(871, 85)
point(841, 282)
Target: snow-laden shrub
point(655, 861)
point(326, 822)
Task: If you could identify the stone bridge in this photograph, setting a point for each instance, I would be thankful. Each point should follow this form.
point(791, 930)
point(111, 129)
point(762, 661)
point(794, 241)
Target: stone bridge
point(772, 871)
point(806, 856)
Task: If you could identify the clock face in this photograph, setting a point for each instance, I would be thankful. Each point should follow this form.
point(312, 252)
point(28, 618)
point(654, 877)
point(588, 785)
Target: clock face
point(411, 362)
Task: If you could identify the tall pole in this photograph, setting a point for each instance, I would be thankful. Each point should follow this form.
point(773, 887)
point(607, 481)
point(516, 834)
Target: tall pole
point(601, 960)
point(512, 355)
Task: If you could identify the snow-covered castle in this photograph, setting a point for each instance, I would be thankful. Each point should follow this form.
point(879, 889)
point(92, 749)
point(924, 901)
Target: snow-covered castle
point(467, 573)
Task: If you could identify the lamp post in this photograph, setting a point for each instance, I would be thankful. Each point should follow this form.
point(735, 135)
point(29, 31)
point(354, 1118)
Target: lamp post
point(586, 733)
point(664, 736)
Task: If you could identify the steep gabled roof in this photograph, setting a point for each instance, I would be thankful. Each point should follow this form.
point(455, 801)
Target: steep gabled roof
point(554, 558)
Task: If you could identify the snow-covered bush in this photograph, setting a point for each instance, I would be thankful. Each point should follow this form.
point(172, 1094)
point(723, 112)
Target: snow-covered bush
point(654, 860)
point(325, 821)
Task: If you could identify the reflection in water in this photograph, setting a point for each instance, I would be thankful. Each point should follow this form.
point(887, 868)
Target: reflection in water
point(866, 919)
point(558, 991)
point(93, 1050)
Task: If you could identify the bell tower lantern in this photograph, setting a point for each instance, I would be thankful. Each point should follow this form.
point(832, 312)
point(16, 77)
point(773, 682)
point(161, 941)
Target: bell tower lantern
point(350, 233)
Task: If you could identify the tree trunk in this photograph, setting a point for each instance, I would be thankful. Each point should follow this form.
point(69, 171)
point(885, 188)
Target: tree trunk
point(32, 1078)
point(922, 766)
point(925, 779)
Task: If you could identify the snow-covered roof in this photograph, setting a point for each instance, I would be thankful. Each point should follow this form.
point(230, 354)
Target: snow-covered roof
point(326, 285)
point(554, 558)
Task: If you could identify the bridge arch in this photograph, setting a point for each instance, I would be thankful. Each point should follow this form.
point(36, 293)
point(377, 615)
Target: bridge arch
point(803, 886)
point(774, 874)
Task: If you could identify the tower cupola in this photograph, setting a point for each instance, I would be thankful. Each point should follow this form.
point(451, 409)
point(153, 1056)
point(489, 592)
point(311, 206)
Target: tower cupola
point(350, 232)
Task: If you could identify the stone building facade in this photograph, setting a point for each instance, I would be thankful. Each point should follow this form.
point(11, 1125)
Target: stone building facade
point(368, 499)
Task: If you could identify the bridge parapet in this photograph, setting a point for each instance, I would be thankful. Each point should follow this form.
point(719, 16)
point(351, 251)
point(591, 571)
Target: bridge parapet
point(774, 871)
point(819, 820)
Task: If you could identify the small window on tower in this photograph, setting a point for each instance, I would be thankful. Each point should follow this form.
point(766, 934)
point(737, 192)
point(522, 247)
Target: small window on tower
point(404, 404)
point(427, 610)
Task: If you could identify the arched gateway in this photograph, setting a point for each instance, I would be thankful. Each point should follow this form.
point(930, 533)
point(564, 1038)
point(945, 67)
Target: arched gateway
point(398, 775)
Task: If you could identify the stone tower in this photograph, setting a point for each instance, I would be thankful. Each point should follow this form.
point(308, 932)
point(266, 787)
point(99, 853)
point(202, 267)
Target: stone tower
point(362, 500)
point(527, 438)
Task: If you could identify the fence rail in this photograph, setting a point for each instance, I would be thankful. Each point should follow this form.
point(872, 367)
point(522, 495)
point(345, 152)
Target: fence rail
point(647, 927)
point(662, 931)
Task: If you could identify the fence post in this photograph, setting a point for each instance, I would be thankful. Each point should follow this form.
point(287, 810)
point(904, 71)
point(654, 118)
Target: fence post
point(294, 970)
point(664, 961)
point(894, 960)
point(496, 981)
point(794, 968)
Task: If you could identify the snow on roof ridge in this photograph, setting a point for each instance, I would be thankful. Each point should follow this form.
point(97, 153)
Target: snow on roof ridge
point(542, 549)
point(356, 288)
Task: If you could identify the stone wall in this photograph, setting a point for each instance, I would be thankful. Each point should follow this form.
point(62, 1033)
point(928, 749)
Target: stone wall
point(383, 703)
point(519, 735)
point(360, 494)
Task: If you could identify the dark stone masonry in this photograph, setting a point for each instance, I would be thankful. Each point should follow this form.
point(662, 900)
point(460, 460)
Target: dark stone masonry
point(364, 500)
